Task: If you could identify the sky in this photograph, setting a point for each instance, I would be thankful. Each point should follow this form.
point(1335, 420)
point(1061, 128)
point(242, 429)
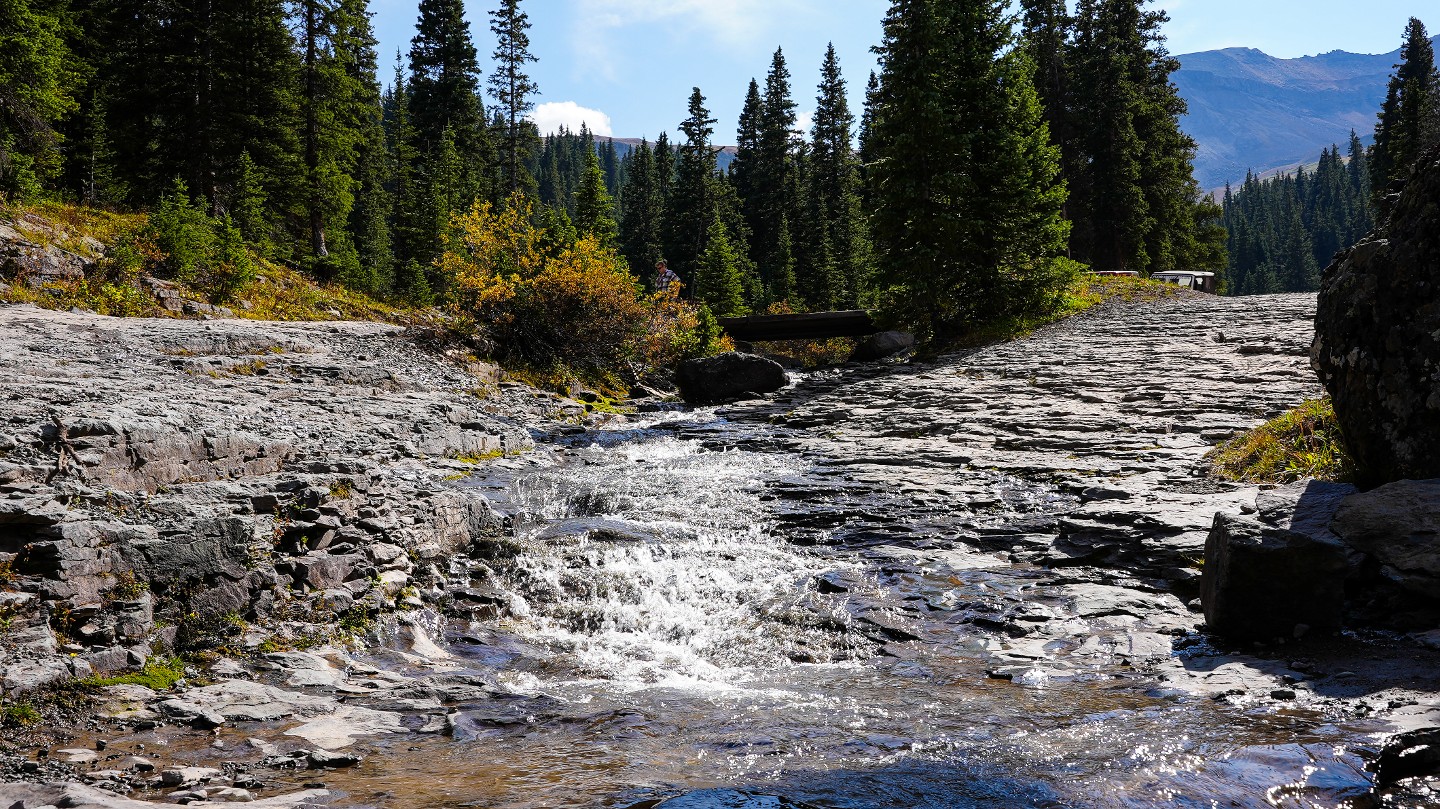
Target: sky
point(627, 67)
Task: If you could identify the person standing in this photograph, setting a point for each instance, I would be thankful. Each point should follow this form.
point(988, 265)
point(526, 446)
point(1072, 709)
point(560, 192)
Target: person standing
point(665, 277)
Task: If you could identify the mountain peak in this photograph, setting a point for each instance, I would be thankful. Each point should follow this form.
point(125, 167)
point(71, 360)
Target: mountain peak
point(1251, 110)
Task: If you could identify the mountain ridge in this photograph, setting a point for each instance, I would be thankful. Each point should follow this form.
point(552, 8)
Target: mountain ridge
point(1250, 111)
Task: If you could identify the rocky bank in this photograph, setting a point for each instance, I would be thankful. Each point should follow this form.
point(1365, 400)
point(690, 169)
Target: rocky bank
point(253, 488)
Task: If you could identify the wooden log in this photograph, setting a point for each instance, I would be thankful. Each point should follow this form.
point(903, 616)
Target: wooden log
point(803, 326)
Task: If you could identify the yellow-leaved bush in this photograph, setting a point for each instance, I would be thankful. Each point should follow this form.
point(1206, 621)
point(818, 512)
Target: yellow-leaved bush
point(570, 308)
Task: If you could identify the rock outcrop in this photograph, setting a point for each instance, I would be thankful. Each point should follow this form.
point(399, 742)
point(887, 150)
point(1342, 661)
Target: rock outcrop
point(882, 345)
point(1399, 526)
point(728, 376)
point(1280, 573)
point(172, 484)
point(1377, 338)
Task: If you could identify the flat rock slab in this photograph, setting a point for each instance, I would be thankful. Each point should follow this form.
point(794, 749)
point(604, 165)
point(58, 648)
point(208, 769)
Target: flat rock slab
point(79, 796)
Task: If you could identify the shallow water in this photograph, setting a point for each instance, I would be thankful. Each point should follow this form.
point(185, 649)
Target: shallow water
point(680, 633)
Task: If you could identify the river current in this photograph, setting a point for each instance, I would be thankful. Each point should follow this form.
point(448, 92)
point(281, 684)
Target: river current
point(968, 583)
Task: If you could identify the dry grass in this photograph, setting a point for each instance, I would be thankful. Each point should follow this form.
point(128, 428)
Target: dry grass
point(1303, 443)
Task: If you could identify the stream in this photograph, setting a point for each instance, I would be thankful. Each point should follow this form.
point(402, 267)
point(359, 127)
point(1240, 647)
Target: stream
point(749, 608)
point(968, 582)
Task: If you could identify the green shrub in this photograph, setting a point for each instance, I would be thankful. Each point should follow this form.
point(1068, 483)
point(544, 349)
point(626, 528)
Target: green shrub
point(201, 251)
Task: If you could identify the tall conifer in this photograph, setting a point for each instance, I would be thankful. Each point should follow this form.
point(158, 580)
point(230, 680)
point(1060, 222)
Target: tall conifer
point(513, 89)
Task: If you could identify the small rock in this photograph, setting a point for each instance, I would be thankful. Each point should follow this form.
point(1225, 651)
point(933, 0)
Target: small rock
point(324, 758)
point(76, 755)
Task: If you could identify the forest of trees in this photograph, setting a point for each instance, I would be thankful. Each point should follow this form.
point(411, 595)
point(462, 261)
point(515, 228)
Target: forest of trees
point(990, 162)
point(1283, 231)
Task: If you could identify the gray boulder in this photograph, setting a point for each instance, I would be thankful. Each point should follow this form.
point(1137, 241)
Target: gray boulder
point(1265, 577)
point(1398, 525)
point(728, 376)
point(1377, 337)
point(882, 345)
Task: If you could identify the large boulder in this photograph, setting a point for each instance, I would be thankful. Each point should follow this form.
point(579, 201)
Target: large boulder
point(1398, 525)
point(1377, 338)
point(1266, 577)
point(728, 376)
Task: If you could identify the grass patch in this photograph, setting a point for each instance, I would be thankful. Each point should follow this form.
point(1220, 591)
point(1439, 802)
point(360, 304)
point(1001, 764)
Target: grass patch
point(158, 674)
point(1303, 443)
point(113, 287)
point(18, 715)
point(1084, 293)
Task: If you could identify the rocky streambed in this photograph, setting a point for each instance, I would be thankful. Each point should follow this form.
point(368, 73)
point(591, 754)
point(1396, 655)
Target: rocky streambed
point(966, 582)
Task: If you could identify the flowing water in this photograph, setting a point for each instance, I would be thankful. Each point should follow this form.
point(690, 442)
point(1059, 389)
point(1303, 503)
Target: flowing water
point(916, 586)
point(679, 634)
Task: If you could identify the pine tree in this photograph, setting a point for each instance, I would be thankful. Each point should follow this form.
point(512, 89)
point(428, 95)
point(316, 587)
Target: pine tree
point(594, 207)
point(967, 188)
point(743, 170)
point(37, 85)
point(443, 91)
point(774, 178)
point(718, 278)
point(1402, 132)
point(513, 89)
point(191, 86)
point(1045, 34)
point(834, 196)
point(642, 214)
point(691, 205)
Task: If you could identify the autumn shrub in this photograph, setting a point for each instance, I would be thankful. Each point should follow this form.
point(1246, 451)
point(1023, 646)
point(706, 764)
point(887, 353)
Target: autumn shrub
point(561, 305)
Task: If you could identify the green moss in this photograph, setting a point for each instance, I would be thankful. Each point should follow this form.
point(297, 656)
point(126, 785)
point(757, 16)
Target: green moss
point(158, 674)
point(18, 715)
point(481, 457)
point(1303, 443)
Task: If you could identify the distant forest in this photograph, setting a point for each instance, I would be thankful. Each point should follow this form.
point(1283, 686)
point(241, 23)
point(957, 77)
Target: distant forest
point(996, 155)
point(1283, 231)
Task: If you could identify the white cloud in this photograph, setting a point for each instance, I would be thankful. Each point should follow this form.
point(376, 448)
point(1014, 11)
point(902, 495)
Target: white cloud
point(550, 117)
point(804, 121)
point(734, 23)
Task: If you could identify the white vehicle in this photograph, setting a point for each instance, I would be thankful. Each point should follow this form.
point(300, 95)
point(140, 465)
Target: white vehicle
point(1198, 281)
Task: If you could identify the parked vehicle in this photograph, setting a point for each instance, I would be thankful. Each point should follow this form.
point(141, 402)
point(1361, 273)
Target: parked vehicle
point(1198, 281)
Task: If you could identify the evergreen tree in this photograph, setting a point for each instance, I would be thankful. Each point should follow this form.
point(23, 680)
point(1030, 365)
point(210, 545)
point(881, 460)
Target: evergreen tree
point(1045, 34)
point(642, 214)
point(513, 88)
point(718, 278)
point(834, 197)
point(774, 178)
point(443, 94)
point(1402, 132)
point(594, 207)
point(691, 207)
point(967, 188)
point(747, 155)
point(191, 86)
point(37, 82)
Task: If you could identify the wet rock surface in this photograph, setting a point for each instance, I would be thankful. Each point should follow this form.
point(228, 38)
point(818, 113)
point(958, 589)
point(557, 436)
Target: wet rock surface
point(1377, 341)
point(175, 485)
point(971, 582)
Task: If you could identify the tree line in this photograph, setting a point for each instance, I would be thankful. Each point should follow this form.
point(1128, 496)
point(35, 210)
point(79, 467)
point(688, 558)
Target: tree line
point(1283, 231)
point(994, 156)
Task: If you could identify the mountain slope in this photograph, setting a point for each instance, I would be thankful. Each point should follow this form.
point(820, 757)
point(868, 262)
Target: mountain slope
point(1249, 110)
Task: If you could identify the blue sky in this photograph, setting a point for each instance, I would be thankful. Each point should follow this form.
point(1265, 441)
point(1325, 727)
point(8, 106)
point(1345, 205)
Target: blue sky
point(627, 66)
